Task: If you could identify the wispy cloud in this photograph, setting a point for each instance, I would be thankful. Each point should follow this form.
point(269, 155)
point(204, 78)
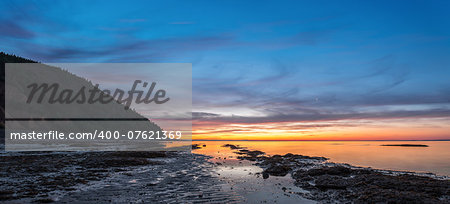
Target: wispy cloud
point(236, 119)
point(303, 64)
point(14, 30)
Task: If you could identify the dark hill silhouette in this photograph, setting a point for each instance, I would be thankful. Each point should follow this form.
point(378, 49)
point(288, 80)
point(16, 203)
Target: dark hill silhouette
point(66, 80)
point(7, 58)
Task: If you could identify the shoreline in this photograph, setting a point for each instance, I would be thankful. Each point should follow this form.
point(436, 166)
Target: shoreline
point(424, 160)
point(237, 175)
point(105, 177)
point(330, 182)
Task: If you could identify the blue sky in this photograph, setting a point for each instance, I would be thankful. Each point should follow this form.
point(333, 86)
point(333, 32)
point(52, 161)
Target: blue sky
point(262, 61)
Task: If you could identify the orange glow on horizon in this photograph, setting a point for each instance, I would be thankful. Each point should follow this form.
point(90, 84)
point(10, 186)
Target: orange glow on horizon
point(429, 129)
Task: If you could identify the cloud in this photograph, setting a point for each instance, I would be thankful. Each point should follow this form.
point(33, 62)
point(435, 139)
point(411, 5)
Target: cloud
point(132, 50)
point(202, 115)
point(277, 74)
point(13, 30)
point(292, 117)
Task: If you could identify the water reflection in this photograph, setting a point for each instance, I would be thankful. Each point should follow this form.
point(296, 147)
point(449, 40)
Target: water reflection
point(433, 158)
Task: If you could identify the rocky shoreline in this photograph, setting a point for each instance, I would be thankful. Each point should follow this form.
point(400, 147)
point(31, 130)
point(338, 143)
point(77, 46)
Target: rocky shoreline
point(164, 177)
point(329, 182)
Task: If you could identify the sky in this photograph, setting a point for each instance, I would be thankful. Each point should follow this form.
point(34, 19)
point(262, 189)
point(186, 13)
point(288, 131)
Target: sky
point(266, 70)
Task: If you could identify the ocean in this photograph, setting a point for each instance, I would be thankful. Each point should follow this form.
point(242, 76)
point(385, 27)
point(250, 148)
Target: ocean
point(431, 159)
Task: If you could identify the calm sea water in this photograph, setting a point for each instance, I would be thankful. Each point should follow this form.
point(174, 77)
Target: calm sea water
point(434, 158)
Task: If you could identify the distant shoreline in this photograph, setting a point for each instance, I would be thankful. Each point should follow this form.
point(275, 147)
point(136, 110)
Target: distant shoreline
point(404, 145)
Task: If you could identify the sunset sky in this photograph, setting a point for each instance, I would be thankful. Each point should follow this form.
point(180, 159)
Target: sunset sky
point(266, 70)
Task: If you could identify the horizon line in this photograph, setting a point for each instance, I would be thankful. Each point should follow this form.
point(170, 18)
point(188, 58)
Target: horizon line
point(313, 140)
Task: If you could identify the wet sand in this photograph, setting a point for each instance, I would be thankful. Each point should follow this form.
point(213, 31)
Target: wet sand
point(139, 177)
point(245, 179)
point(104, 177)
point(234, 174)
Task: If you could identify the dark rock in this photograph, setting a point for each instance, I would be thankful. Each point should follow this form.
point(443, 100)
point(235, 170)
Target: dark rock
point(232, 146)
point(196, 146)
point(288, 155)
point(345, 184)
point(326, 182)
point(278, 170)
point(337, 170)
